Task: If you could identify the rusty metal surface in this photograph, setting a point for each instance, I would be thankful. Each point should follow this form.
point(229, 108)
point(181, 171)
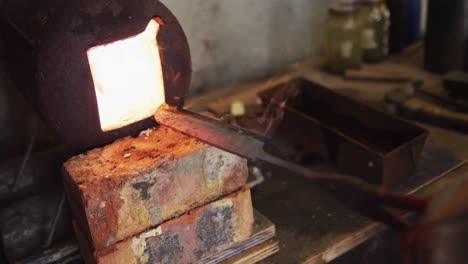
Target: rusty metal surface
point(320, 124)
point(46, 43)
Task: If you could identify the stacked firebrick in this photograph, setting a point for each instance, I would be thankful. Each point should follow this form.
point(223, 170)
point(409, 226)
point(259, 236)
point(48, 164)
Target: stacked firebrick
point(161, 197)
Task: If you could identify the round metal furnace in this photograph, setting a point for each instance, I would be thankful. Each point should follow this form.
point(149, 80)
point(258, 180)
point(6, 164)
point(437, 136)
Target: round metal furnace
point(47, 43)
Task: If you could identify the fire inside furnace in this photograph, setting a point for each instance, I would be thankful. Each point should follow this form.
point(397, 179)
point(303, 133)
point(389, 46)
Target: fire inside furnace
point(128, 78)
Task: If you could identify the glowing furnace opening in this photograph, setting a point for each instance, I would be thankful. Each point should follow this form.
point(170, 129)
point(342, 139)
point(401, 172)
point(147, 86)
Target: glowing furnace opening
point(128, 78)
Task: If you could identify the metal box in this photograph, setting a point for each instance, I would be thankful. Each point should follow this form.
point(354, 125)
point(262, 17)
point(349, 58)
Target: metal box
point(320, 124)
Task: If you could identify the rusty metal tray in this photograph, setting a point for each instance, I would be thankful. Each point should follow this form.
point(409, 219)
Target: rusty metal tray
point(320, 124)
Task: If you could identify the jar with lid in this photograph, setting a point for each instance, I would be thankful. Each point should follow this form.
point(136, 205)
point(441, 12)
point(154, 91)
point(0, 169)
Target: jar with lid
point(386, 36)
point(375, 32)
point(343, 40)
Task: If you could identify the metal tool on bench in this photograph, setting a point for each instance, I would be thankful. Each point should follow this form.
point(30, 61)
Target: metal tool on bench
point(444, 106)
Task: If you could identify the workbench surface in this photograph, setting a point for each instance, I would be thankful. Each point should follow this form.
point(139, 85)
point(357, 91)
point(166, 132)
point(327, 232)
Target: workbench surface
point(311, 226)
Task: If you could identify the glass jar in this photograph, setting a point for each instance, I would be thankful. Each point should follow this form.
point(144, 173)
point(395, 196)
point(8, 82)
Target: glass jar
point(386, 14)
point(343, 41)
point(375, 32)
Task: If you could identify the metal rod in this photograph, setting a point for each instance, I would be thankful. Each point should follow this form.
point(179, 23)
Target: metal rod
point(55, 221)
point(250, 146)
point(27, 155)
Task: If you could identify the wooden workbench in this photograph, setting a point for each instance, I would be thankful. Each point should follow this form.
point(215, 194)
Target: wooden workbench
point(311, 226)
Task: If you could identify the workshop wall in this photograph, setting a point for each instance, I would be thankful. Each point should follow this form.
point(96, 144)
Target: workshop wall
point(234, 41)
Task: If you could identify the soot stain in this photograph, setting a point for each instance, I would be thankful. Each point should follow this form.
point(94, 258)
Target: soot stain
point(164, 249)
point(143, 188)
point(214, 229)
point(219, 164)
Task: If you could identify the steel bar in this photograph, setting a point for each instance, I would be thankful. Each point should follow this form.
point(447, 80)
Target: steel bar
point(26, 156)
point(53, 224)
point(250, 146)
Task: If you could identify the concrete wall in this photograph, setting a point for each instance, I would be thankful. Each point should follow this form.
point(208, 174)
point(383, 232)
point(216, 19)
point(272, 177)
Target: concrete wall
point(237, 40)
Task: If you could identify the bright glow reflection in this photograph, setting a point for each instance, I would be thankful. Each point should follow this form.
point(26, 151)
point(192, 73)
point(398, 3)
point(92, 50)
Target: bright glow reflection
point(127, 78)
